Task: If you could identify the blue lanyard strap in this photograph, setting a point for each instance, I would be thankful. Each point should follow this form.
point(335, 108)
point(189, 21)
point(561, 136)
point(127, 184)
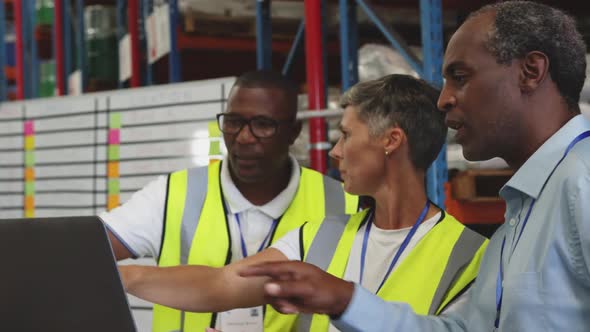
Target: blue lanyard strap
point(400, 250)
point(262, 245)
point(500, 278)
point(499, 291)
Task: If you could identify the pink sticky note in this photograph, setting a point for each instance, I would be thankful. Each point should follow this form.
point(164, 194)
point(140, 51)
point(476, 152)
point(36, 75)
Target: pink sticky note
point(114, 136)
point(29, 128)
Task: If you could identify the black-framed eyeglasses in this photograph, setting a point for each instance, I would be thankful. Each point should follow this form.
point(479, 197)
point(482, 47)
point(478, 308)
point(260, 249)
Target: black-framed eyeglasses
point(260, 126)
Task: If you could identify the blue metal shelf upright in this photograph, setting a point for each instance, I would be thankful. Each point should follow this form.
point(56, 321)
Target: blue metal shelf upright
point(27, 66)
point(174, 65)
point(81, 43)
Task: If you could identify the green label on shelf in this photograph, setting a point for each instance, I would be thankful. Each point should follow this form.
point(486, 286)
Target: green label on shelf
point(29, 188)
point(29, 158)
point(114, 187)
point(113, 153)
point(115, 121)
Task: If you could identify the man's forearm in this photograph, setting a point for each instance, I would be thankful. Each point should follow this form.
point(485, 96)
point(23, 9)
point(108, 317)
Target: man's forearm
point(189, 288)
point(199, 288)
point(368, 313)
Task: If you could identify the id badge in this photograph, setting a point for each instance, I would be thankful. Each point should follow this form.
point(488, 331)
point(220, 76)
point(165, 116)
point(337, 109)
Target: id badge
point(243, 320)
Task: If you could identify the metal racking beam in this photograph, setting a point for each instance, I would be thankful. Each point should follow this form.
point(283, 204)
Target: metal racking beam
point(19, 45)
point(432, 51)
point(263, 35)
point(59, 47)
point(316, 83)
point(133, 27)
point(146, 10)
point(295, 48)
point(348, 43)
point(81, 44)
point(174, 65)
point(392, 37)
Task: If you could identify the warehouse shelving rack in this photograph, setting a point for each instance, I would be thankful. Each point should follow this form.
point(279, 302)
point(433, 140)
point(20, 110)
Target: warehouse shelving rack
point(132, 14)
point(429, 68)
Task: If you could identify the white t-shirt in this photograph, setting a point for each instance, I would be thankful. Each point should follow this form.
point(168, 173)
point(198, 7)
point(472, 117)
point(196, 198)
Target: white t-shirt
point(382, 246)
point(139, 222)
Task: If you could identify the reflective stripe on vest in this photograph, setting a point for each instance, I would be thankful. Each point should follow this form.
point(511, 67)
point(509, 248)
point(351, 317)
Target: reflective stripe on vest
point(462, 253)
point(321, 252)
point(193, 204)
point(192, 235)
point(334, 197)
point(443, 263)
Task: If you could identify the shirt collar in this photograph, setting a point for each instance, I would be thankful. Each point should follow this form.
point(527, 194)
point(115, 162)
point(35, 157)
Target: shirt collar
point(533, 174)
point(237, 203)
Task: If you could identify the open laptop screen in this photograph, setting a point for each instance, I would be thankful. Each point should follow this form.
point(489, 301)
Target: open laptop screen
point(59, 274)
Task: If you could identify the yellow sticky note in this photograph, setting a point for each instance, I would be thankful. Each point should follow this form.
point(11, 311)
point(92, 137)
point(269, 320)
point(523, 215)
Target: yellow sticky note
point(29, 143)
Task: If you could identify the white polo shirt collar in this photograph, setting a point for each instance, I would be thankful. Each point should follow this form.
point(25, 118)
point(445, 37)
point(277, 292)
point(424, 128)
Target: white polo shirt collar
point(237, 203)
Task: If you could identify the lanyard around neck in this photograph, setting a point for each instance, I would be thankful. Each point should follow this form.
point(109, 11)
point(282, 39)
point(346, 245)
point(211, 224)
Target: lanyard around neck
point(500, 277)
point(400, 250)
point(262, 245)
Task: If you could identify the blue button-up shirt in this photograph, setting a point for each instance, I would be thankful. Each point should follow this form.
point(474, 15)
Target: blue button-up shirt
point(546, 276)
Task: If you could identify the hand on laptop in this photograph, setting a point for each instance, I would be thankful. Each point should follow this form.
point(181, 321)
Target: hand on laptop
point(300, 287)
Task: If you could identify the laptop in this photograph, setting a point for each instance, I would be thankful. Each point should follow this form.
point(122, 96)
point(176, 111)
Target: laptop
point(59, 274)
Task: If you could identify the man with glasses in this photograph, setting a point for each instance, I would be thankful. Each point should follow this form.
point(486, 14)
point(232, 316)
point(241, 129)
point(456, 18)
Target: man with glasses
point(226, 211)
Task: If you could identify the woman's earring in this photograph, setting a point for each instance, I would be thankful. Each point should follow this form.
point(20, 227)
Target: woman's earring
point(386, 153)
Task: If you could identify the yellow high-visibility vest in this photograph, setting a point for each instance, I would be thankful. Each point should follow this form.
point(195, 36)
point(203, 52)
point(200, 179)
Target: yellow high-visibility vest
point(196, 230)
point(438, 269)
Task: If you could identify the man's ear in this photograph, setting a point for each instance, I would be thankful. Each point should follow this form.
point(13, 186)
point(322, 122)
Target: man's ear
point(295, 131)
point(534, 68)
point(393, 139)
